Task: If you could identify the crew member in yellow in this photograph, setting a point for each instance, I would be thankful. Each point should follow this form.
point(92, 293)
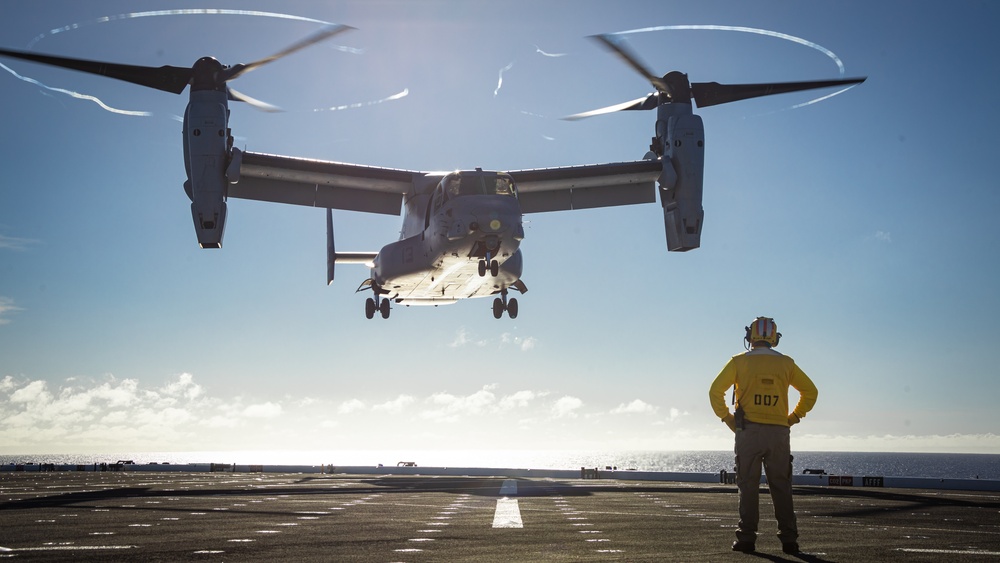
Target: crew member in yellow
point(761, 421)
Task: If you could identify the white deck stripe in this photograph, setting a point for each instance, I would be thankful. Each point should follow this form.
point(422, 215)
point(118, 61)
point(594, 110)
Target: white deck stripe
point(66, 548)
point(508, 514)
point(949, 551)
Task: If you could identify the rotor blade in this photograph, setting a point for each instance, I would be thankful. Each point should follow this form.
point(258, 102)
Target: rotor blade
point(713, 93)
point(325, 33)
point(167, 78)
point(632, 60)
point(255, 103)
point(645, 102)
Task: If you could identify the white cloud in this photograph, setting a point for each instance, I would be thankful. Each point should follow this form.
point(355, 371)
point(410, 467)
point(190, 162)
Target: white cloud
point(33, 393)
point(566, 407)
point(123, 415)
point(524, 343)
point(184, 386)
point(353, 405)
point(221, 421)
point(396, 405)
point(14, 243)
point(449, 408)
point(958, 443)
point(637, 406)
point(116, 414)
point(7, 306)
point(521, 399)
point(462, 338)
point(263, 410)
point(883, 236)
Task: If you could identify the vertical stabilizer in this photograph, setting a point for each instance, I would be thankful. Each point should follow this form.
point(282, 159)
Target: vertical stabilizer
point(331, 251)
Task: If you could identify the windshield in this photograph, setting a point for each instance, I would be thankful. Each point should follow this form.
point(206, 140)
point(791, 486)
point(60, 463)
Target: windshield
point(478, 183)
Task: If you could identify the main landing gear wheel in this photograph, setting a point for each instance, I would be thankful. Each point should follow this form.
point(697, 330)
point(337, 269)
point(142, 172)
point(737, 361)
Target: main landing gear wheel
point(501, 304)
point(371, 305)
point(492, 265)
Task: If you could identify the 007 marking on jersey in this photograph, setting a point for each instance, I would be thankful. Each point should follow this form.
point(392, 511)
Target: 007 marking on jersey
point(766, 400)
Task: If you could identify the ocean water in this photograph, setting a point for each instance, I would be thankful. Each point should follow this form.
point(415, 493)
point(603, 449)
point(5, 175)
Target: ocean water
point(934, 465)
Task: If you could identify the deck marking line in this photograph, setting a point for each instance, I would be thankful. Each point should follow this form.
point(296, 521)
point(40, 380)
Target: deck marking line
point(508, 514)
point(67, 548)
point(948, 551)
point(509, 487)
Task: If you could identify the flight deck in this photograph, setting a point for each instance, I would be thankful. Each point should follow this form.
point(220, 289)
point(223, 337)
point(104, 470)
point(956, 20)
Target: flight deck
point(386, 516)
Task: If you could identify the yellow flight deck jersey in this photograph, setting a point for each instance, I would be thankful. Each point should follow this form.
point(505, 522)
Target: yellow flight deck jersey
point(762, 377)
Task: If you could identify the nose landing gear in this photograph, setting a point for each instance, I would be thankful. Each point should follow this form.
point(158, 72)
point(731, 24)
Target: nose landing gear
point(501, 304)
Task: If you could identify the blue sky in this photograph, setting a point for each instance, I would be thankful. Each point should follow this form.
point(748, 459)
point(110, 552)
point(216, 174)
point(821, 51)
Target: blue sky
point(864, 224)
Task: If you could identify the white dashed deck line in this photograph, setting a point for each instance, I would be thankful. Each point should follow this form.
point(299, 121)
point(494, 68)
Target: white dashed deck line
point(574, 518)
point(66, 548)
point(949, 551)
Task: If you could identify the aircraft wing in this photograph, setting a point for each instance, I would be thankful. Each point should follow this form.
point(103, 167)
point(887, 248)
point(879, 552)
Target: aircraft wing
point(355, 187)
point(319, 183)
point(586, 187)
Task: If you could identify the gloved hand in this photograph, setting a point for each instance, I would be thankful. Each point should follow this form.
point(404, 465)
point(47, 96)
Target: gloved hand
point(730, 421)
point(793, 419)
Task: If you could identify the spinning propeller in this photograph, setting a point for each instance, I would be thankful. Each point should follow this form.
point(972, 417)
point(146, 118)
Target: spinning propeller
point(675, 88)
point(206, 73)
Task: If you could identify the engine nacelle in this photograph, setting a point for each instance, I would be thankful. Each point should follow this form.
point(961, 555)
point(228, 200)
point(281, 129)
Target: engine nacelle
point(206, 151)
point(681, 187)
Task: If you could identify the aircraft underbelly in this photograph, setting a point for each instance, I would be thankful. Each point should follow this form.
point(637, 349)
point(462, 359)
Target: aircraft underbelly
point(411, 271)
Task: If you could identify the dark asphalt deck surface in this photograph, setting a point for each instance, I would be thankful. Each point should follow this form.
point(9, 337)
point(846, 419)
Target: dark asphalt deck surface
point(124, 516)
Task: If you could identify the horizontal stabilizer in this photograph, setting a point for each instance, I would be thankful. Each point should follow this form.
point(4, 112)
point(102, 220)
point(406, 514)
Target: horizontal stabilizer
point(355, 258)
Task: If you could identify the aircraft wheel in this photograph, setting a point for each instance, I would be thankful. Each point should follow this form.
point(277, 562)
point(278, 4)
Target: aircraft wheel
point(494, 268)
point(482, 268)
point(512, 308)
point(384, 308)
point(370, 308)
point(497, 308)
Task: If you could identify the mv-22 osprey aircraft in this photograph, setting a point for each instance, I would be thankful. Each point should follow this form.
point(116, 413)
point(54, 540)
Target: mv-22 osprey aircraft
point(462, 230)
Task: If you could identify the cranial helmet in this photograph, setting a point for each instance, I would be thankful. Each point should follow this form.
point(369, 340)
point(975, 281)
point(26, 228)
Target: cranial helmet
point(763, 329)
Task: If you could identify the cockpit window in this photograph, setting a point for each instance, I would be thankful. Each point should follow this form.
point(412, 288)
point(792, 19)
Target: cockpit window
point(478, 183)
point(504, 186)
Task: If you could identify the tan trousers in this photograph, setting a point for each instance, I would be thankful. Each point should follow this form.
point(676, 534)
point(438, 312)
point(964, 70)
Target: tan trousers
point(767, 445)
